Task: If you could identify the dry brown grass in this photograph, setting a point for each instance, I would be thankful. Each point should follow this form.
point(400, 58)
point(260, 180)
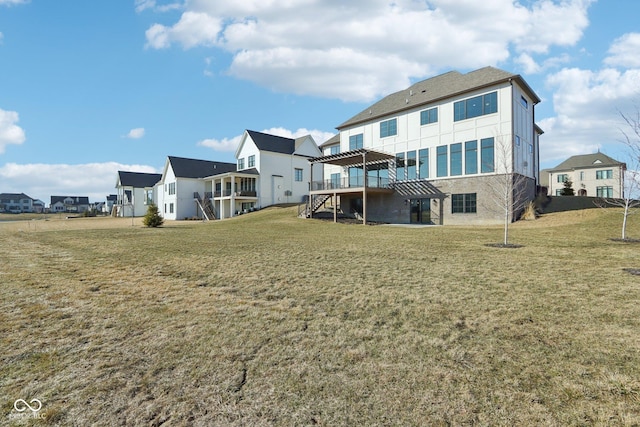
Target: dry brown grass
point(268, 319)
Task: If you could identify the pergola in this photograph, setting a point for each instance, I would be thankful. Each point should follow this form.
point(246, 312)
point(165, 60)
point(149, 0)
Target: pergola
point(355, 158)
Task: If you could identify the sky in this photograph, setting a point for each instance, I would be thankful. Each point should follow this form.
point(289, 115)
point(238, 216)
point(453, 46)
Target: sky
point(88, 88)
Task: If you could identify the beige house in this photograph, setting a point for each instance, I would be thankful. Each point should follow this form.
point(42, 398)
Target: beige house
point(593, 175)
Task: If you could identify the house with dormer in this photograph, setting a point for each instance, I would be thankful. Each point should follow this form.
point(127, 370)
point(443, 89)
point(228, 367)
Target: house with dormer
point(592, 175)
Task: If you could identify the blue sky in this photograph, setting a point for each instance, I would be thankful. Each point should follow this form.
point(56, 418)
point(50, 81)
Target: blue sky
point(91, 87)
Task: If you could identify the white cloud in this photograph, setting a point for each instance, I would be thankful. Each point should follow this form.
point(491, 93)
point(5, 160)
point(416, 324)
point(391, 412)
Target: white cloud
point(41, 181)
point(12, 2)
point(587, 105)
point(136, 133)
point(10, 132)
point(625, 51)
point(231, 144)
point(320, 48)
point(142, 5)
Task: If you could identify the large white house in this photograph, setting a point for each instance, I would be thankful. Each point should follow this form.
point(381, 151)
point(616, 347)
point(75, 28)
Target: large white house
point(270, 170)
point(430, 153)
point(183, 192)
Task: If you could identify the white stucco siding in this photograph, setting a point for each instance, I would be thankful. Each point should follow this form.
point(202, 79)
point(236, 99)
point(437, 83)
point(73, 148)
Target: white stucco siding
point(169, 200)
point(185, 204)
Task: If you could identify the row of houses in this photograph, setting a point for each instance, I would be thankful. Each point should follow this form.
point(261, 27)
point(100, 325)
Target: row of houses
point(22, 203)
point(428, 154)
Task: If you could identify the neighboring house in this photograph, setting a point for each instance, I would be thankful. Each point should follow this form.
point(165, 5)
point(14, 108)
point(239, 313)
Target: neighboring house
point(38, 206)
point(183, 192)
point(431, 153)
point(111, 200)
point(135, 192)
point(70, 204)
point(594, 175)
point(15, 203)
point(270, 170)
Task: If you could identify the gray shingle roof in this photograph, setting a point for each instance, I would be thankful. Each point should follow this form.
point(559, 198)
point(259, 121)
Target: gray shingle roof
point(138, 179)
point(82, 200)
point(437, 88)
point(586, 161)
point(335, 139)
point(194, 168)
point(13, 196)
point(273, 143)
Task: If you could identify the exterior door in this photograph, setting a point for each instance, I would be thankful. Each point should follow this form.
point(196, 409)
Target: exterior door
point(420, 211)
point(277, 189)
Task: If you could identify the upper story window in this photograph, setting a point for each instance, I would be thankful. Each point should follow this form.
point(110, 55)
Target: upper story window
point(334, 149)
point(524, 102)
point(298, 175)
point(476, 106)
point(355, 141)
point(562, 177)
point(487, 155)
point(252, 161)
point(428, 116)
point(388, 128)
point(172, 188)
point(241, 163)
point(604, 174)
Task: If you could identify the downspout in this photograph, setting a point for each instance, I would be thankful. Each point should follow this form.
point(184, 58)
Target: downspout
point(513, 152)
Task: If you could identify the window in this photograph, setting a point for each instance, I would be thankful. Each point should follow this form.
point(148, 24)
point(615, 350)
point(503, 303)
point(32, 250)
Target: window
point(170, 207)
point(400, 171)
point(562, 177)
point(252, 161)
point(604, 191)
point(423, 163)
point(604, 174)
point(335, 149)
point(241, 163)
point(441, 160)
point(172, 188)
point(456, 159)
point(412, 172)
point(486, 155)
point(335, 180)
point(429, 116)
point(470, 157)
point(355, 142)
point(388, 128)
point(524, 102)
point(476, 106)
point(356, 177)
point(517, 141)
point(298, 174)
point(463, 203)
point(148, 197)
point(581, 175)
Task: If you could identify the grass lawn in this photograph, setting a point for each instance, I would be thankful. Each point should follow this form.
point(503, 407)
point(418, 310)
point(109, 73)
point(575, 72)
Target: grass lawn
point(268, 319)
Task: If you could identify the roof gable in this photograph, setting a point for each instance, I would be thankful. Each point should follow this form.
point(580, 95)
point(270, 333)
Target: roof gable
point(195, 168)
point(437, 88)
point(272, 143)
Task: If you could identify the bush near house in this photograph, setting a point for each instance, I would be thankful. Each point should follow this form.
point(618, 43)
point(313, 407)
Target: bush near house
point(152, 218)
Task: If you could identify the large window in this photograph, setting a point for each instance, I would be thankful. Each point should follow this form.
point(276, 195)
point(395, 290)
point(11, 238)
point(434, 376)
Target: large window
point(412, 172)
point(355, 142)
point(429, 116)
point(562, 177)
point(378, 175)
point(604, 191)
point(441, 160)
point(388, 128)
point(172, 188)
point(470, 157)
point(252, 161)
point(476, 106)
point(356, 177)
point(604, 174)
point(463, 203)
point(298, 175)
point(486, 155)
point(241, 164)
point(400, 170)
point(456, 159)
point(423, 163)
point(335, 149)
